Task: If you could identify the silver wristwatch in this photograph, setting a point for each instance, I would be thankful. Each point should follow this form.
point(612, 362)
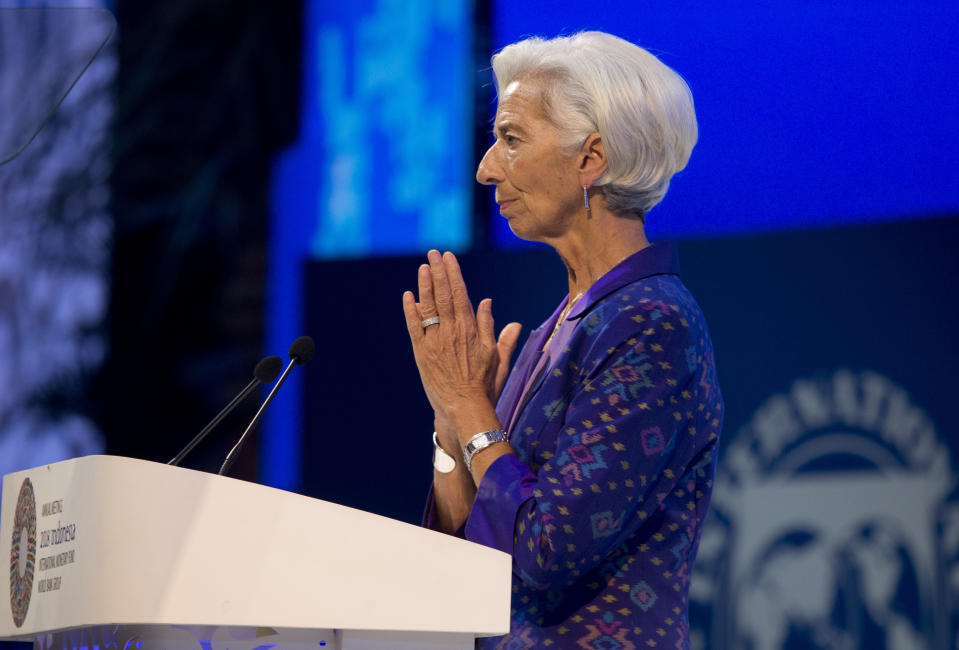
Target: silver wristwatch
point(479, 442)
point(442, 461)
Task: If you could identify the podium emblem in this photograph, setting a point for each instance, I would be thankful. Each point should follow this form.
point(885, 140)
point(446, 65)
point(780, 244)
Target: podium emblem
point(23, 552)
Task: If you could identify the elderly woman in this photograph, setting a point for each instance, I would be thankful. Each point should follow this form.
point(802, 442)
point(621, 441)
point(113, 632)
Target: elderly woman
point(594, 468)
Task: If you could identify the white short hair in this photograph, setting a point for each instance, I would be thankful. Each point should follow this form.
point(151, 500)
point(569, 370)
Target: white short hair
point(598, 83)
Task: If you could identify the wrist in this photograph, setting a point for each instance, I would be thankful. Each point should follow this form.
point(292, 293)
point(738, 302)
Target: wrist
point(448, 439)
point(468, 420)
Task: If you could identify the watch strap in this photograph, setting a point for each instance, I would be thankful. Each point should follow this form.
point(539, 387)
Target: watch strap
point(479, 442)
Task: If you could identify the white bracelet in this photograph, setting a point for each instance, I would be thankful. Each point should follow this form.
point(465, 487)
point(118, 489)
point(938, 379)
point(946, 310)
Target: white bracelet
point(442, 461)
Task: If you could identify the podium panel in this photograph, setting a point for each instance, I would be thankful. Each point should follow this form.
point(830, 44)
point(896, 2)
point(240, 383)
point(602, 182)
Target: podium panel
point(114, 552)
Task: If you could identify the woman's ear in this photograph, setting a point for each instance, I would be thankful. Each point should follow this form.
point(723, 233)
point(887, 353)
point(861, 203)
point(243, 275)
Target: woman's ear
point(592, 160)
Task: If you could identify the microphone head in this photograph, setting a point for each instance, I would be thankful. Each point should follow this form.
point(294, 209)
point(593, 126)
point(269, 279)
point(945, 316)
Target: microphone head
point(302, 350)
point(268, 369)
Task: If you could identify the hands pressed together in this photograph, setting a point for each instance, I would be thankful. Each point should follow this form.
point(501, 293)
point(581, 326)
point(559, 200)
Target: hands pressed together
point(462, 365)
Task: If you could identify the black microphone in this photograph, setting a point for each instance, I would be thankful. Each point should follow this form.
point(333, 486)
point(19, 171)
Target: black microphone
point(300, 352)
point(265, 372)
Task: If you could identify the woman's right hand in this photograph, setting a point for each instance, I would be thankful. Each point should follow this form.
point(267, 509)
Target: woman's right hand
point(505, 346)
point(461, 366)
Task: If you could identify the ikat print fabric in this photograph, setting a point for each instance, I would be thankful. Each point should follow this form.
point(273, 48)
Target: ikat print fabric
point(616, 445)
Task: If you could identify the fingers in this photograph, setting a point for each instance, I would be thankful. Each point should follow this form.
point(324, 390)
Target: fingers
point(508, 338)
point(424, 281)
point(442, 294)
point(459, 359)
point(505, 347)
point(462, 308)
point(413, 317)
point(484, 321)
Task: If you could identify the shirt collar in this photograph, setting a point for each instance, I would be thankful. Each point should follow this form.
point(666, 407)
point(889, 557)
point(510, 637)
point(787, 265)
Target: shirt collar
point(655, 259)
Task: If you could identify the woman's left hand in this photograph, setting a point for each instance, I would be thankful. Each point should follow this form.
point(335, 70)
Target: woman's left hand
point(462, 365)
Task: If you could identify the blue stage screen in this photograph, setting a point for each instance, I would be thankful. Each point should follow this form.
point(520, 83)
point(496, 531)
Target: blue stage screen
point(810, 113)
point(386, 130)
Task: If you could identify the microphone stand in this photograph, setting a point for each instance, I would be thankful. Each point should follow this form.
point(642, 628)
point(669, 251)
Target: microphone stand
point(231, 457)
point(219, 416)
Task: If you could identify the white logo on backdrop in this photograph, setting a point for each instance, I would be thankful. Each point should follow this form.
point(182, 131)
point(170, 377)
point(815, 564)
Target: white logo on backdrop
point(831, 525)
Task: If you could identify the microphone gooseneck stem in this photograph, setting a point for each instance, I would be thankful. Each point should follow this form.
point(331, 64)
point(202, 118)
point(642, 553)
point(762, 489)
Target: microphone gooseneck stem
point(231, 457)
point(222, 414)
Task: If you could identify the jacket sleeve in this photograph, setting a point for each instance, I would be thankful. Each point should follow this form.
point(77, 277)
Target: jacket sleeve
point(629, 433)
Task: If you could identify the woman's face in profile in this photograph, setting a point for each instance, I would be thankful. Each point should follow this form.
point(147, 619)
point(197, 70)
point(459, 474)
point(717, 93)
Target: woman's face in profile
point(537, 184)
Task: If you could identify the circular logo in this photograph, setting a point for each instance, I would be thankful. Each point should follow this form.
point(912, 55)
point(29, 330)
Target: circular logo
point(23, 552)
point(834, 524)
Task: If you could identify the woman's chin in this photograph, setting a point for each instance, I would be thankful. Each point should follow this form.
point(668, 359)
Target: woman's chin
point(516, 226)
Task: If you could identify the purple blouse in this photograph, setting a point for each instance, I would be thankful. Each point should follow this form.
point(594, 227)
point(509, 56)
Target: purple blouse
point(616, 441)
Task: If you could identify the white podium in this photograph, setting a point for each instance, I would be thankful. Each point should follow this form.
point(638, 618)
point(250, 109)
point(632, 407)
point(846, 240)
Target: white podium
point(110, 552)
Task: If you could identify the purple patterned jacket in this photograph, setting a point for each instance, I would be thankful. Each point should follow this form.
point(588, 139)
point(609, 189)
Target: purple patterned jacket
point(616, 442)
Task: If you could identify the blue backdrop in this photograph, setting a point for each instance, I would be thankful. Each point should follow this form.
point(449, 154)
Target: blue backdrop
point(810, 113)
point(818, 232)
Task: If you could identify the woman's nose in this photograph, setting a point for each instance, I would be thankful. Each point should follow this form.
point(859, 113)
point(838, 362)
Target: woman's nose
point(489, 171)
